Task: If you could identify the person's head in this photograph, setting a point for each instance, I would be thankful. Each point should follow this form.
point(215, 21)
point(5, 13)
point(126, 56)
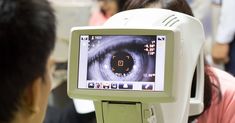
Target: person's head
point(110, 7)
point(175, 5)
point(27, 37)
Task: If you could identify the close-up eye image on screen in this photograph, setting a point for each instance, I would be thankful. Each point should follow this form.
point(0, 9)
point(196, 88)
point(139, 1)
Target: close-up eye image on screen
point(122, 58)
point(119, 61)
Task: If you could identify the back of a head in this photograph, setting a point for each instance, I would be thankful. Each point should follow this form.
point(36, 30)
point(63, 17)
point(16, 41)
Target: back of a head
point(27, 36)
point(178, 6)
point(174, 5)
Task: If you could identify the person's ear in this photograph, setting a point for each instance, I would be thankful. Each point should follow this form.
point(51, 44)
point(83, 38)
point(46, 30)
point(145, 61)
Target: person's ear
point(32, 97)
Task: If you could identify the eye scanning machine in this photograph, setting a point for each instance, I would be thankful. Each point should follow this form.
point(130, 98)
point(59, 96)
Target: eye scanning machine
point(139, 66)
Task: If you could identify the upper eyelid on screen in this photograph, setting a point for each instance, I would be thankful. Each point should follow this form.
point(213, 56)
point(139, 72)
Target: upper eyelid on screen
point(104, 46)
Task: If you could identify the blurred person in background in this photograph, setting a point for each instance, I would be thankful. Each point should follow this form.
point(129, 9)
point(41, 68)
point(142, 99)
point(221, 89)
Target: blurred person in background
point(27, 38)
point(107, 8)
point(223, 50)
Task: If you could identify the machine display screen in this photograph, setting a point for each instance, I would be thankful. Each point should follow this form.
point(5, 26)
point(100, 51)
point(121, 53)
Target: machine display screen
point(122, 62)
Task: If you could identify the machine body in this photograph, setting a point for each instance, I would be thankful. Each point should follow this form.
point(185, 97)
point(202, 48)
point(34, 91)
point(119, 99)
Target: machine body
point(138, 67)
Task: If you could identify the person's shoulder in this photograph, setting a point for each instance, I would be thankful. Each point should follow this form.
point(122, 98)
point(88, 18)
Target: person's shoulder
point(226, 85)
point(227, 103)
point(225, 79)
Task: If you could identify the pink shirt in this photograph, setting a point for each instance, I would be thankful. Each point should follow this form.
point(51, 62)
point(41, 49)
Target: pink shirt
point(224, 111)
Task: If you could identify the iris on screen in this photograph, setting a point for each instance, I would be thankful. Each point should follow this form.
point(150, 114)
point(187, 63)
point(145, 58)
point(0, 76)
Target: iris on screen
point(121, 58)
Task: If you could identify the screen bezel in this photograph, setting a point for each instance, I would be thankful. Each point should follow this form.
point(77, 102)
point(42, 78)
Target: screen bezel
point(120, 95)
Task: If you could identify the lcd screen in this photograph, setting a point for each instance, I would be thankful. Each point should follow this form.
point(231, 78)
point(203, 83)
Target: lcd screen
point(122, 62)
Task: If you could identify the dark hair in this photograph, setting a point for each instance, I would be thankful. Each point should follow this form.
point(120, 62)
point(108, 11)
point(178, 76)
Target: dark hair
point(178, 6)
point(211, 81)
point(27, 37)
point(120, 4)
point(174, 5)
